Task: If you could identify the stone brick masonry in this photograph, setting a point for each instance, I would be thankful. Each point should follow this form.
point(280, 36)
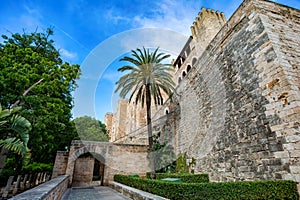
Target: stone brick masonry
point(117, 158)
point(239, 105)
point(237, 110)
point(51, 190)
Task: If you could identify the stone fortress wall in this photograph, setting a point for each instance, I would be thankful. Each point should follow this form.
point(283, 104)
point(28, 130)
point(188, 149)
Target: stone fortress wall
point(237, 107)
point(243, 95)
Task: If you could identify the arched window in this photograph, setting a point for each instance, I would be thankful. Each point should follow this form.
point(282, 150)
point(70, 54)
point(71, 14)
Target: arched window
point(194, 61)
point(183, 74)
point(179, 80)
point(188, 68)
point(167, 111)
point(179, 64)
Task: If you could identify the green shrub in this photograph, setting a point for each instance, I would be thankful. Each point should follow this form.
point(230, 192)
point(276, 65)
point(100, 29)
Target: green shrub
point(279, 189)
point(37, 167)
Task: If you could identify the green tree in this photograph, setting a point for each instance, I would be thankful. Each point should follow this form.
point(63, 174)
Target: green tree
point(31, 63)
point(15, 129)
point(90, 129)
point(146, 80)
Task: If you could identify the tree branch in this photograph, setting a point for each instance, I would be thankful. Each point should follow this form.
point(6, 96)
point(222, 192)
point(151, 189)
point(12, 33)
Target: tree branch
point(26, 92)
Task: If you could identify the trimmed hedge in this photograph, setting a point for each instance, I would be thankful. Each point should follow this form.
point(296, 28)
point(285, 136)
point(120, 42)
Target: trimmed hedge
point(279, 189)
point(186, 178)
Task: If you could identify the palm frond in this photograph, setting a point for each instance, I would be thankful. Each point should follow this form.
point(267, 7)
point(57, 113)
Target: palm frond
point(13, 144)
point(4, 113)
point(124, 68)
point(20, 124)
point(148, 69)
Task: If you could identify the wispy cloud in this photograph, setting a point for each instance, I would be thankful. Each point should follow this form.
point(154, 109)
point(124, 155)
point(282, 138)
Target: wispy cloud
point(113, 16)
point(173, 15)
point(32, 11)
point(68, 55)
point(153, 38)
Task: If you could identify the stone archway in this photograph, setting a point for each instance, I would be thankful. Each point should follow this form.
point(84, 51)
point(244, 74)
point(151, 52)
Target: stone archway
point(82, 160)
point(89, 170)
point(117, 159)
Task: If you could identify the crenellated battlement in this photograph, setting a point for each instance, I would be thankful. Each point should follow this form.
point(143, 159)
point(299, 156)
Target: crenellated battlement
point(206, 18)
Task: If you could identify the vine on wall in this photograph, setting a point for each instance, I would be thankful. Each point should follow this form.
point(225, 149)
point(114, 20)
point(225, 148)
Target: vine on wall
point(184, 164)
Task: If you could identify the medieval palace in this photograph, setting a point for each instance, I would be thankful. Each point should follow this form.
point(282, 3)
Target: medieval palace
point(236, 111)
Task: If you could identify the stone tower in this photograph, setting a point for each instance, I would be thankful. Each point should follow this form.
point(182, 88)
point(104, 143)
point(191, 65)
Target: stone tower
point(108, 121)
point(205, 27)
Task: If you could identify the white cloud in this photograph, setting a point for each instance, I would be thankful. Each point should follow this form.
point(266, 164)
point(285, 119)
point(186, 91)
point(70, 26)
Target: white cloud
point(115, 18)
point(168, 40)
point(173, 15)
point(32, 11)
point(68, 55)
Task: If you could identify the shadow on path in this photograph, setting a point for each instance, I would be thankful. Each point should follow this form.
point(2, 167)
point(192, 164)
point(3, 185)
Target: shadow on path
point(92, 193)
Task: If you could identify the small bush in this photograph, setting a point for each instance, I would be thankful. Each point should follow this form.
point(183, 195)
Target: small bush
point(37, 167)
point(279, 189)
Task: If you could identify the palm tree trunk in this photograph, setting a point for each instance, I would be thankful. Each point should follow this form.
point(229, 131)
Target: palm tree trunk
point(149, 126)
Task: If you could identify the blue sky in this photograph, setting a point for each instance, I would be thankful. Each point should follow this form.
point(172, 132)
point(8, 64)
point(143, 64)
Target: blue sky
point(96, 33)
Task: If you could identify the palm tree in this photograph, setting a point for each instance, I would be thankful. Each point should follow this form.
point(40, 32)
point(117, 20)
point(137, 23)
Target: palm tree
point(147, 79)
point(16, 141)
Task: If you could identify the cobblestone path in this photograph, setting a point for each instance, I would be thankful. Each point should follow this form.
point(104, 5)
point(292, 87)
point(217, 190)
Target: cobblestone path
point(93, 193)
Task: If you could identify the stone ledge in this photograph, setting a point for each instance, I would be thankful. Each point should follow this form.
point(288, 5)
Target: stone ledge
point(134, 193)
point(44, 190)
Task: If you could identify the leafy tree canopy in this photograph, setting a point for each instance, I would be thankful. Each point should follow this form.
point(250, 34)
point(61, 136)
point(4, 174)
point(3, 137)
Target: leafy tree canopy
point(90, 129)
point(31, 61)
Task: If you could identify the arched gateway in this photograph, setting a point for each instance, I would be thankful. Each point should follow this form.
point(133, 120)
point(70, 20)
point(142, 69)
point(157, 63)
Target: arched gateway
point(95, 163)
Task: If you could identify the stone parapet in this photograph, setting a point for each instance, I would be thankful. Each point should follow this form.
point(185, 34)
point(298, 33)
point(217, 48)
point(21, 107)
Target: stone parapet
point(53, 189)
point(134, 193)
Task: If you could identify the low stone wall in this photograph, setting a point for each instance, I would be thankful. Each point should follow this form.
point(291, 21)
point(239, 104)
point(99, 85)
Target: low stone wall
point(53, 189)
point(20, 183)
point(134, 193)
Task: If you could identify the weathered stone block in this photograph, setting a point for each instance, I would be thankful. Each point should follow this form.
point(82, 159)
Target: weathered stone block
point(295, 169)
point(293, 138)
point(295, 153)
point(275, 147)
point(281, 154)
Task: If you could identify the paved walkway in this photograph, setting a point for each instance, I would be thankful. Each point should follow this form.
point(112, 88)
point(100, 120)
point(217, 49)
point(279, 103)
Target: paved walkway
point(93, 193)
